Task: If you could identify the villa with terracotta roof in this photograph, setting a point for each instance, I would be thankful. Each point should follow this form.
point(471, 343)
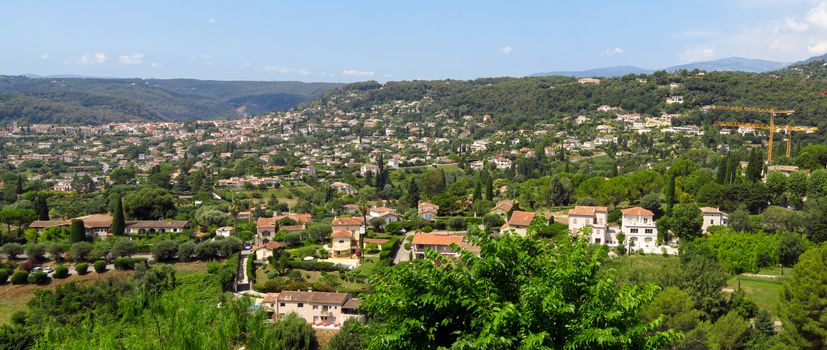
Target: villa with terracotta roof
point(352, 225)
point(156, 226)
point(638, 225)
point(519, 222)
point(267, 227)
point(438, 242)
point(342, 243)
point(503, 208)
point(713, 217)
point(428, 210)
point(594, 217)
point(318, 308)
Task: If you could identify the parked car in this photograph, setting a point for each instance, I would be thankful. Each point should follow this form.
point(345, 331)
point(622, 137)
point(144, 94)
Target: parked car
point(48, 269)
point(248, 246)
point(37, 269)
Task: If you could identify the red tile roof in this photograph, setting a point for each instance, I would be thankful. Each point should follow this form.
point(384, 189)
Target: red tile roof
point(504, 205)
point(521, 218)
point(354, 221)
point(314, 297)
point(379, 241)
point(266, 222)
point(710, 210)
point(432, 239)
point(637, 211)
point(587, 210)
point(341, 234)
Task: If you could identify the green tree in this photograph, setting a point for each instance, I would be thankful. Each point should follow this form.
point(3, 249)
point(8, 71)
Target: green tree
point(740, 220)
point(508, 297)
point(123, 247)
point(686, 220)
point(149, 203)
point(755, 166)
point(797, 189)
point(291, 332)
point(41, 206)
point(35, 251)
point(670, 193)
point(12, 250)
point(77, 231)
point(790, 247)
point(118, 220)
point(803, 298)
point(349, 337)
point(729, 332)
point(777, 183)
point(677, 309)
point(413, 193)
point(80, 251)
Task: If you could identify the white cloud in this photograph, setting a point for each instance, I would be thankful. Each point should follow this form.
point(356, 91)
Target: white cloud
point(93, 58)
point(211, 20)
point(818, 48)
point(793, 25)
point(358, 73)
point(155, 65)
point(612, 51)
point(303, 71)
point(277, 69)
point(505, 50)
point(44, 56)
point(132, 58)
point(280, 69)
point(697, 53)
point(818, 15)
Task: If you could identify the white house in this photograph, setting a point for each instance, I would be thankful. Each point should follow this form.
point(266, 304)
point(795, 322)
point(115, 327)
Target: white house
point(638, 225)
point(713, 217)
point(225, 231)
point(502, 163)
point(594, 217)
point(319, 308)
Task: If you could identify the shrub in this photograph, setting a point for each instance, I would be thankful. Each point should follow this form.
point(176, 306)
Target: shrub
point(123, 247)
point(165, 250)
point(82, 268)
point(61, 271)
point(186, 250)
point(35, 251)
point(80, 250)
point(127, 263)
point(20, 277)
point(313, 265)
point(100, 266)
point(4, 276)
point(12, 250)
point(38, 277)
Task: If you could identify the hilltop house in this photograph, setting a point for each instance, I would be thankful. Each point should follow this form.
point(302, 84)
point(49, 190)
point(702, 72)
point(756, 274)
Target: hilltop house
point(638, 225)
point(503, 208)
point(439, 242)
point(389, 215)
point(342, 243)
point(595, 218)
point(519, 222)
point(428, 210)
point(156, 226)
point(713, 217)
point(319, 308)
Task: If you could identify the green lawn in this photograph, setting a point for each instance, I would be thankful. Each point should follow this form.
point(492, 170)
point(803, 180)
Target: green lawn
point(763, 291)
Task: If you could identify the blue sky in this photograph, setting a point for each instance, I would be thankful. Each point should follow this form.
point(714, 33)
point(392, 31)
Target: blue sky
point(394, 40)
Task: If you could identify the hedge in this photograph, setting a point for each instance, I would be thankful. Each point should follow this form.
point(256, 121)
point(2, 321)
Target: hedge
point(251, 269)
point(4, 276)
point(82, 268)
point(129, 263)
point(314, 265)
point(388, 250)
point(100, 266)
point(38, 277)
point(61, 271)
point(20, 277)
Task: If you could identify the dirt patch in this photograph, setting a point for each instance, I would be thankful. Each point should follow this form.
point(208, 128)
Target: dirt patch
point(323, 336)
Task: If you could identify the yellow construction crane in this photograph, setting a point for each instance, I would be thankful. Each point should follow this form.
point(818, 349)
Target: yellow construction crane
point(788, 129)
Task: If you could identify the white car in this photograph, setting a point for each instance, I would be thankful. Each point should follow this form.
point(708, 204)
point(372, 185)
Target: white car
point(48, 269)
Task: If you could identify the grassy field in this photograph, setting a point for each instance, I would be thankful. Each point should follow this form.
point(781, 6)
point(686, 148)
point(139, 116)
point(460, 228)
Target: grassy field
point(646, 265)
point(763, 291)
point(14, 298)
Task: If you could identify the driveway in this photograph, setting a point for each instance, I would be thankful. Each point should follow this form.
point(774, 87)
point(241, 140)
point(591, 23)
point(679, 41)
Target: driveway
point(402, 254)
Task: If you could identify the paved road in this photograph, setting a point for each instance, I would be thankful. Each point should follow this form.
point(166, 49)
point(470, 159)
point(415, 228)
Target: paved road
point(242, 282)
point(402, 254)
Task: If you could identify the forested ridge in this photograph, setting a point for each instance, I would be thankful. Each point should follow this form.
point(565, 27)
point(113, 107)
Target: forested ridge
point(96, 101)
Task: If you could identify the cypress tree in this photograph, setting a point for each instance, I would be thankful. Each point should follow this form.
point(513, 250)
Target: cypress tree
point(723, 167)
point(118, 221)
point(41, 207)
point(477, 190)
point(755, 166)
point(78, 231)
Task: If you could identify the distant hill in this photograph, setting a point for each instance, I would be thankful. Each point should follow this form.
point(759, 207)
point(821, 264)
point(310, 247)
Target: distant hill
point(739, 64)
point(815, 58)
point(102, 100)
point(608, 72)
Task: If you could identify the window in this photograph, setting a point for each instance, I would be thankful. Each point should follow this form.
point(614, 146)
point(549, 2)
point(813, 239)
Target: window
point(597, 240)
point(315, 307)
point(711, 221)
point(648, 231)
point(634, 230)
point(300, 305)
point(645, 220)
point(281, 304)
